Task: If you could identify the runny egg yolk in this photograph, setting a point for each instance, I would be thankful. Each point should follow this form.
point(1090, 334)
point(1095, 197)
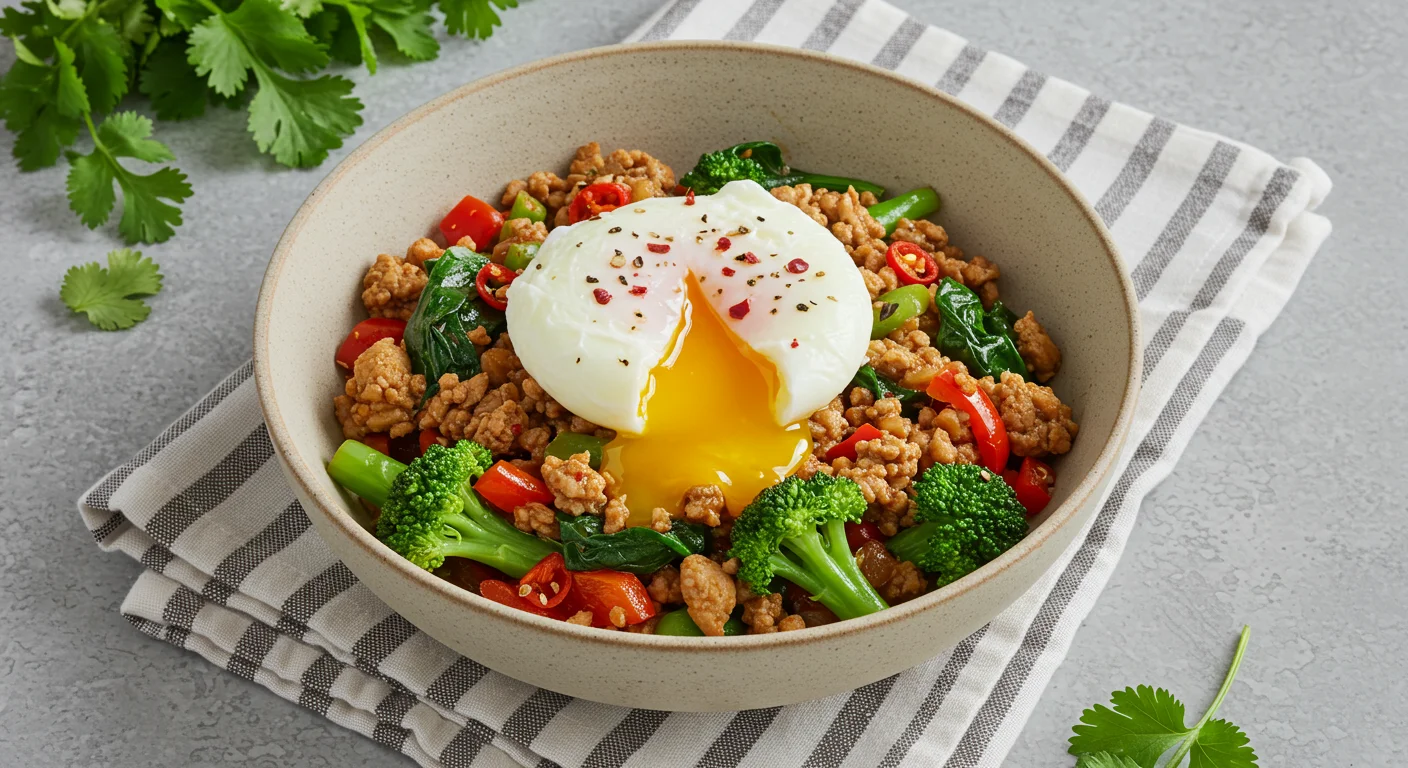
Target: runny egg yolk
point(708, 420)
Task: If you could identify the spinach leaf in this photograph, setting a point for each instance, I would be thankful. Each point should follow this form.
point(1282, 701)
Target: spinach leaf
point(437, 335)
point(637, 550)
point(969, 335)
point(881, 386)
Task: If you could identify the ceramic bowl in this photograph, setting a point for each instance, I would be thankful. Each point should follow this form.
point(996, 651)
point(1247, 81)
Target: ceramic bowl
point(677, 100)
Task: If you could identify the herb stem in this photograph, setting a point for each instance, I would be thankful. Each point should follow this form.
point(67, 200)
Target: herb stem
point(1192, 736)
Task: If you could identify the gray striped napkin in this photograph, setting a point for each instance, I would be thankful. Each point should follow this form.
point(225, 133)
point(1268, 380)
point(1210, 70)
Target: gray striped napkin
point(1217, 235)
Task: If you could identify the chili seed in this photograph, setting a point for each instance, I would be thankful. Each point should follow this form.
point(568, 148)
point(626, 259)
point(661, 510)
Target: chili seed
point(555, 587)
point(638, 262)
point(524, 590)
point(613, 230)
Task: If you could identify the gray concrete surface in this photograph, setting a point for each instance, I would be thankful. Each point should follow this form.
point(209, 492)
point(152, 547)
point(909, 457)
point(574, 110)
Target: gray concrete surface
point(1286, 511)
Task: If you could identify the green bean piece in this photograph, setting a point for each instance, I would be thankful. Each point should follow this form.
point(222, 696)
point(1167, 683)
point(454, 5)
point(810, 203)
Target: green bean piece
point(525, 206)
point(914, 204)
point(568, 444)
point(520, 255)
point(898, 306)
point(679, 624)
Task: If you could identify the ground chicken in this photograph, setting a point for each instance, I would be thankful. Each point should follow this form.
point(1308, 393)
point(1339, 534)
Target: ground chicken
point(499, 429)
point(392, 287)
point(828, 427)
point(1038, 423)
point(943, 437)
point(845, 214)
point(884, 414)
point(896, 581)
point(480, 337)
point(424, 250)
point(1039, 352)
point(576, 487)
point(537, 518)
point(660, 520)
point(811, 466)
point(879, 282)
point(883, 469)
point(616, 515)
point(908, 360)
point(646, 627)
point(501, 364)
point(704, 504)
point(645, 175)
point(452, 406)
point(708, 593)
point(763, 614)
point(581, 619)
point(665, 586)
point(382, 393)
point(978, 273)
point(521, 231)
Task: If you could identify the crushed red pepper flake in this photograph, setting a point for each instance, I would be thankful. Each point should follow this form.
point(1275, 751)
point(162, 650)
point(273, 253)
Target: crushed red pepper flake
point(740, 310)
point(602, 295)
point(794, 343)
point(658, 247)
point(689, 196)
point(637, 290)
point(723, 244)
point(728, 271)
point(797, 266)
point(747, 257)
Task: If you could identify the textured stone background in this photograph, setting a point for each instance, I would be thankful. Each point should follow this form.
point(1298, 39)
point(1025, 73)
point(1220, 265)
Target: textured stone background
point(1286, 511)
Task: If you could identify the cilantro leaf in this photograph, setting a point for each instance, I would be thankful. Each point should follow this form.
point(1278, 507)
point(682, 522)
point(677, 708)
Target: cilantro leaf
point(72, 97)
point(109, 297)
point(146, 217)
point(27, 103)
point(300, 121)
point(176, 91)
point(407, 25)
point(1105, 760)
point(186, 14)
point(102, 62)
point(1146, 724)
point(473, 18)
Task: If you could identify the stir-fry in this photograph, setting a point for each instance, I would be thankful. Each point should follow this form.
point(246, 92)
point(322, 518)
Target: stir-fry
point(743, 401)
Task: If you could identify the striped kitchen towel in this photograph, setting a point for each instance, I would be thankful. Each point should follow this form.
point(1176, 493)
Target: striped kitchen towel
point(1216, 233)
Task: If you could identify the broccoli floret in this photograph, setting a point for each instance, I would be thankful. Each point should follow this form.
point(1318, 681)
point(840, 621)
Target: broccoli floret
point(967, 516)
point(429, 510)
point(760, 161)
point(797, 530)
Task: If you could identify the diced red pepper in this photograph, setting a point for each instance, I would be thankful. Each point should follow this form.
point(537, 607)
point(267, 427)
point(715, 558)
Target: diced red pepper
point(847, 447)
point(1032, 483)
point(505, 593)
point(600, 591)
point(378, 440)
point(508, 487)
point(857, 534)
point(500, 275)
point(428, 437)
point(597, 199)
point(988, 430)
point(365, 334)
point(547, 584)
point(912, 265)
point(473, 217)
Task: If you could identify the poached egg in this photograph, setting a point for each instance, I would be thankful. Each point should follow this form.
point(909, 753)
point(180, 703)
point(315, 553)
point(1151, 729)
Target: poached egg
point(704, 333)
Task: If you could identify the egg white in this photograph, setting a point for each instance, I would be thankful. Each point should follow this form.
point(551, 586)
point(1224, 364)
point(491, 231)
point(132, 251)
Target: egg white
point(595, 359)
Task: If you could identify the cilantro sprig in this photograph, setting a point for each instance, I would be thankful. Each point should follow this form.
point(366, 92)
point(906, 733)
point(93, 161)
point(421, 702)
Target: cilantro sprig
point(1146, 724)
point(111, 297)
point(76, 61)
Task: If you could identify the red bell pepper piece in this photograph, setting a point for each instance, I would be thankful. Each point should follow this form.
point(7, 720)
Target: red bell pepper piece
point(473, 217)
point(857, 534)
point(600, 591)
point(597, 199)
point(912, 265)
point(505, 593)
point(499, 274)
point(547, 584)
point(847, 447)
point(1032, 483)
point(365, 334)
point(983, 418)
point(377, 440)
point(508, 487)
point(427, 438)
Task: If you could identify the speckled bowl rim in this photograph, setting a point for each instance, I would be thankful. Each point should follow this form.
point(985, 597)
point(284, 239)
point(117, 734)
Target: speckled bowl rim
point(327, 505)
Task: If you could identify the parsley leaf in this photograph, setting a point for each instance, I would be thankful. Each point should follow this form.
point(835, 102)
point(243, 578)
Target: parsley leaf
point(1146, 723)
point(145, 217)
point(109, 296)
point(473, 18)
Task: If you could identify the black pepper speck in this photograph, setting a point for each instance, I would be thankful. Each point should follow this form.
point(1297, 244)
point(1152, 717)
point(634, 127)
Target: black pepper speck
point(802, 307)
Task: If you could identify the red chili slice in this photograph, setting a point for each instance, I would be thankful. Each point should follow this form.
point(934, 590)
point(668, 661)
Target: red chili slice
point(912, 265)
point(546, 585)
point(1032, 483)
point(496, 272)
point(597, 199)
point(847, 447)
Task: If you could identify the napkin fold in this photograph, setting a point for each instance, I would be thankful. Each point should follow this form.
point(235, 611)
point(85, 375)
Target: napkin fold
point(1216, 235)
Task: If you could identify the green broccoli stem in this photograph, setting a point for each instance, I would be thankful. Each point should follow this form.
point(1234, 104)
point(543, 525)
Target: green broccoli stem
point(822, 181)
point(914, 204)
point(483, 536)
point(828, 571)
point(912, 543)
point(364, 471)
